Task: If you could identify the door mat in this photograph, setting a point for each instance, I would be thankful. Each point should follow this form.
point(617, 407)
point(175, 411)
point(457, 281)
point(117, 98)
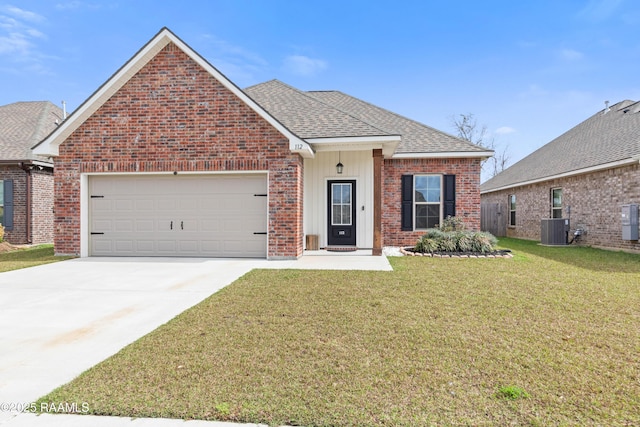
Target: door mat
point(341, 248)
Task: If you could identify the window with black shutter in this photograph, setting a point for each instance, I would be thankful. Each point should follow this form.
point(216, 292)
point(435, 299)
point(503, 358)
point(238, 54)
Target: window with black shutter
point(426, 200)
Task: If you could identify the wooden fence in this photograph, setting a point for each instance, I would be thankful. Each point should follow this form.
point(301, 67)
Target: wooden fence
point(493, 218)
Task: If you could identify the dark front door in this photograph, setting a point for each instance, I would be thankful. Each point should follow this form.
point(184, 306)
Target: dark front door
point(342, 213)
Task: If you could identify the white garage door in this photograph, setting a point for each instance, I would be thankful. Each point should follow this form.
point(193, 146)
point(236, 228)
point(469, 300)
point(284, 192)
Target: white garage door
point(178, 215)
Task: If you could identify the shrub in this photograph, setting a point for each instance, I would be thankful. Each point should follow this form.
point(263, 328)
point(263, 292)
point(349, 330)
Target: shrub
point(465, 241)
point(449, 243)
point(436, 240)
point(483, 242)
point(434, 233)
point(426, 245)
point(452, 223)
point(1, 233)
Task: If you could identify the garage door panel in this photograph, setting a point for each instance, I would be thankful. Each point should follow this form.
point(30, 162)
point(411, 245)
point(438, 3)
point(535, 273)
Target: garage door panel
point(145, 226)
point(166, 246)
point(102, 226)
point(210, 225)
point(124, 226)
point(145, 205)
point(144, 246)
point(122, 205)
point(100, 204)
point(102, 246)
point(198, 215)
point(124, 246)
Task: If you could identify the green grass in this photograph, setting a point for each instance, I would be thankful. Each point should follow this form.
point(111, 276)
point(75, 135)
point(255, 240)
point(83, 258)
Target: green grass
point(28, 257)
point(549, 337)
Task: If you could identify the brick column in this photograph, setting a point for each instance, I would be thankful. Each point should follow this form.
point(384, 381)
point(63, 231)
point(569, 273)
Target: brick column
point(377, 202)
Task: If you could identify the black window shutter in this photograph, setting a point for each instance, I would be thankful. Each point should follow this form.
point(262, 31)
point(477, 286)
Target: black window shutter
point(407, 203)
point(449, 195)
point(8, 204)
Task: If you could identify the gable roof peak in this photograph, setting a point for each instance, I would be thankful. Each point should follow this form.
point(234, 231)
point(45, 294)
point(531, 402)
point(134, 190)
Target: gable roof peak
point(50, 145)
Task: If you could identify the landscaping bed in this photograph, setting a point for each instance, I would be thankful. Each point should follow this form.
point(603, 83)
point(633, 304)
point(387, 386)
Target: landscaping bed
point(410, 251)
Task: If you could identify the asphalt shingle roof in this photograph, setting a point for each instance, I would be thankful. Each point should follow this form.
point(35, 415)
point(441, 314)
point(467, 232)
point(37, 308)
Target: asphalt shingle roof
point(307, 116)
point(23, 125)
point(605, 137)
point(325, 114)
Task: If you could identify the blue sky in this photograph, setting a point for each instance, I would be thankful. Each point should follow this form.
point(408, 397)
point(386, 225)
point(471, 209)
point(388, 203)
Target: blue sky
point(528, 70)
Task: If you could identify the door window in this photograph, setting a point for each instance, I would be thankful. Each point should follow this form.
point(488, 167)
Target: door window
point(341, 204)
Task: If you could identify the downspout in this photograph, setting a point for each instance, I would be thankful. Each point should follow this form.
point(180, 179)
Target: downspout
point(27, 170)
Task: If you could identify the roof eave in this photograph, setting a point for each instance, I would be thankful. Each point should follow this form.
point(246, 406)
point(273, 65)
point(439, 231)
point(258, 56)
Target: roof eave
point(445, 154)
point(604, 166)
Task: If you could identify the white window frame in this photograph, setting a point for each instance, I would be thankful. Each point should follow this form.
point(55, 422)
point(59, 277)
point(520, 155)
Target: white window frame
point(512, 210)
point(439, 203)
point(342, 204)
point(555, 208)
point(2, 202)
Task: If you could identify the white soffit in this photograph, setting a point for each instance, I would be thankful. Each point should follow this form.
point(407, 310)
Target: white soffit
point(387, 144)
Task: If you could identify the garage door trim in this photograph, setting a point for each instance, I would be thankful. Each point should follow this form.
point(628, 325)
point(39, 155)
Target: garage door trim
point(85, 197)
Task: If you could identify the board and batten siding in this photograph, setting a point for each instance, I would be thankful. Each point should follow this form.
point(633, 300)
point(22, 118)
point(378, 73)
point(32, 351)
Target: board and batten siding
point(358, 165)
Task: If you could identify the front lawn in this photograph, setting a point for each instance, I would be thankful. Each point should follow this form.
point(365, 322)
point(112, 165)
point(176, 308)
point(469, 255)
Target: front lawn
point(14, 258)
point(549, 337)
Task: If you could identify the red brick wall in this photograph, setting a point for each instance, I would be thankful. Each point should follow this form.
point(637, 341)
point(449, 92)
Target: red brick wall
point(467, 172)
point(596, 201)
point(174, 116)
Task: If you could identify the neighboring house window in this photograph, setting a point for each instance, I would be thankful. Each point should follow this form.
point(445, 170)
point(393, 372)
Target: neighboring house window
point(2, 202)
point(6, 204)
point(512, 210)
point(556, 203)
point(426, 200)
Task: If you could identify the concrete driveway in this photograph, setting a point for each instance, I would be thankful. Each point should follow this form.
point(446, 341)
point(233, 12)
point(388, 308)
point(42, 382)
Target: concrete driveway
point(58, 320)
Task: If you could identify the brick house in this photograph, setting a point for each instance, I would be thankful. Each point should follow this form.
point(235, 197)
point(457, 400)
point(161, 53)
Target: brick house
point(585, 176)
point(170, 158)
point(26, 179)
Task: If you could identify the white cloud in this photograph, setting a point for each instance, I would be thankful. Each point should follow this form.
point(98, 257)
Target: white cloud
point(75, 4)
point(504, 130)
point(24, 15)
point(230, 50)
point(303, 65)
point(19, 36)
point(599, 10)
point(238, 63)
point(570, 55)
point(14, 44)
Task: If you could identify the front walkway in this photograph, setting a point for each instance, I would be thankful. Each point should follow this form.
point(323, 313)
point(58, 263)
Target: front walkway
point(325, 260)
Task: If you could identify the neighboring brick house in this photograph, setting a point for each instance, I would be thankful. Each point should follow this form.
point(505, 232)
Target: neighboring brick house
point(26, 179)
point(585, 175)
point(170, 158)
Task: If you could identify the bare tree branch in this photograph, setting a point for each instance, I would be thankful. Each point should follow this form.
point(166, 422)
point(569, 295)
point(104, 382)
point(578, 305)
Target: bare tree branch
point(467, 129)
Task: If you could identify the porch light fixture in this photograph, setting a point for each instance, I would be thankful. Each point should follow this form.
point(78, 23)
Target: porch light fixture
point(339, 166)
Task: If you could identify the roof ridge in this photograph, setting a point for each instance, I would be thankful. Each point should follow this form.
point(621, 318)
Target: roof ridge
point(306, 94)
point(399, 116)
